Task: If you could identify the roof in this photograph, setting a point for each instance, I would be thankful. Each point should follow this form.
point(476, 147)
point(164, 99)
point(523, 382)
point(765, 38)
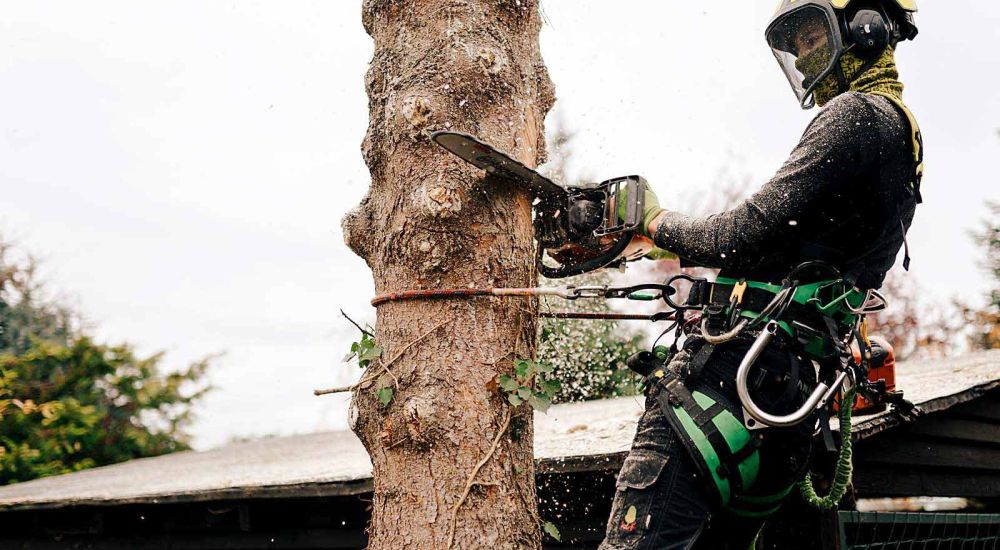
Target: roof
point(591, 435)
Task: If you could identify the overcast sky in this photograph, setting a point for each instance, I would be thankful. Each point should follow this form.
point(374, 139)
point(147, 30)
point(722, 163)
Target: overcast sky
point(182, 167)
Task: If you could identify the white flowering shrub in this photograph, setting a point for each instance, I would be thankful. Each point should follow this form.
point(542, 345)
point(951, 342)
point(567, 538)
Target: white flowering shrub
point(587, 357)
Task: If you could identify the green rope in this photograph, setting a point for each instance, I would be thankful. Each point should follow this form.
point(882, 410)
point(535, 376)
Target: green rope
point(844, 469)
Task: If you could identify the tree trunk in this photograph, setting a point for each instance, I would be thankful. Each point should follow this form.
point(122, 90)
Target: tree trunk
point(430, 221)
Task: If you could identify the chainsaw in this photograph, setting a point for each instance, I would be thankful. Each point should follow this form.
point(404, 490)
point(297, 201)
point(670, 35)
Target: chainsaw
point(579, 229)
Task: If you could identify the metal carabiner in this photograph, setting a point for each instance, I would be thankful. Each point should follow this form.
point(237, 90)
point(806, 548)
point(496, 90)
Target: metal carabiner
point(867, 306)
point(597, 291)
point(694, 282)
point(753, 414)
point(636, 293)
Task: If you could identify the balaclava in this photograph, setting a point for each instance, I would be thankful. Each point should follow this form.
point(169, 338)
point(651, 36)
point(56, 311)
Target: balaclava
point(882, 77)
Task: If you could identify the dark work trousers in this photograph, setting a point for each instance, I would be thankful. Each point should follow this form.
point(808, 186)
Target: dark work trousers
point(661, 500)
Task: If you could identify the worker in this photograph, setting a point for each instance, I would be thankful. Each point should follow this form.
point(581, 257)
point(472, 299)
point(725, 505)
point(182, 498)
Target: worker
point(842, 202)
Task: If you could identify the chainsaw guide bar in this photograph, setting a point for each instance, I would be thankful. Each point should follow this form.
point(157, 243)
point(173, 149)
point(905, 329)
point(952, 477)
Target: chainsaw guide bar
point(485, 156)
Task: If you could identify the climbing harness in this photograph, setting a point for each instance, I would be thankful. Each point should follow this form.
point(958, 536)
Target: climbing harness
point(820, 321)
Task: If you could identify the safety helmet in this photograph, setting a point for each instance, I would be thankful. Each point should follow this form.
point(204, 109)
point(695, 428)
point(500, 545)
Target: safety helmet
point(809, 37)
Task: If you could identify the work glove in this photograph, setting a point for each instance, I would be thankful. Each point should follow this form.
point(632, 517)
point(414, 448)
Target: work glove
point(658, 253)
point(650, 211)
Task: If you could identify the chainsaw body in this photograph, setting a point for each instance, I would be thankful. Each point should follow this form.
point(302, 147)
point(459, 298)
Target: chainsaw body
point(881, 383)
point(578, 229)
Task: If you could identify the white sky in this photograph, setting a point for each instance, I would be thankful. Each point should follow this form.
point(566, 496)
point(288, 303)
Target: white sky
point(182, 167)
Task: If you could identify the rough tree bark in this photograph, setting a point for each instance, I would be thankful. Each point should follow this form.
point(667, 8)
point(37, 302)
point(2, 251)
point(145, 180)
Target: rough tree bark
point(430, 221)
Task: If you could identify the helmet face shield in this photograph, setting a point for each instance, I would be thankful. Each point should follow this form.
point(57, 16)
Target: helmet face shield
point(807, 45)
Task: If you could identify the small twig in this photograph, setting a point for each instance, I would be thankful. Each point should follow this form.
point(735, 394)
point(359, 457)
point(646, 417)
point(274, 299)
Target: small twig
point(395, 444)
point(475, 471)
point(328, 391)
point(385, 365)
point(369, 377)
point(357, 325)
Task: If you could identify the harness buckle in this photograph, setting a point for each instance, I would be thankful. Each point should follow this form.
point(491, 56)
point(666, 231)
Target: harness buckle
point(736, 296)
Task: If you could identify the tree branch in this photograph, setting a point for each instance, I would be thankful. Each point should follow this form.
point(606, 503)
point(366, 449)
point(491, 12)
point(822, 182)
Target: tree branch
point(369, 377)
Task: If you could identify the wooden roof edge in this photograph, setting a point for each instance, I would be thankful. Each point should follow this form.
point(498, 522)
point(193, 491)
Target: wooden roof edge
point(883, 422)
point(297, 490)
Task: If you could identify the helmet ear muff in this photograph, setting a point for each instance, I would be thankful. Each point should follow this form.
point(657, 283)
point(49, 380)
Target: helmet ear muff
point(869, 32)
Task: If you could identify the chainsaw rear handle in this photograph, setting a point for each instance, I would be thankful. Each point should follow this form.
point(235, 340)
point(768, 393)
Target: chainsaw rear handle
point(820, 395)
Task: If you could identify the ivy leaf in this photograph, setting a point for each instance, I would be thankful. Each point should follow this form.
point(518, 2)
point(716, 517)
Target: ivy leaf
point(522, 368)
point(540, 402)
point(551, 530)
point(371, 353)
point(385, 395)
point(507, 383)
point(524, 393)
point(514, 399)
point(543, 368)
point(551, 387)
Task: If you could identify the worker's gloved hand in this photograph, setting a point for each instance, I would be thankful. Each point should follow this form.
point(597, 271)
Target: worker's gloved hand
point(650, 211)
point(658, 253)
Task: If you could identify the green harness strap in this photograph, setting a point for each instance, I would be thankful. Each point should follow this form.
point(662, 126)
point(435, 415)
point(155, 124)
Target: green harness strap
point(830, 298)
point(722, 448)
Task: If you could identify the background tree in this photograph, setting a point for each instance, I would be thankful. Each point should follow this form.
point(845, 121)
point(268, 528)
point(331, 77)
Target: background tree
point(447, 470)
point(68, 403)
point(918, 327)
point(983, 324)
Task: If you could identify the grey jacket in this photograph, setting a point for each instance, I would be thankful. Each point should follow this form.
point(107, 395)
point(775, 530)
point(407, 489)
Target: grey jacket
point(843, 196)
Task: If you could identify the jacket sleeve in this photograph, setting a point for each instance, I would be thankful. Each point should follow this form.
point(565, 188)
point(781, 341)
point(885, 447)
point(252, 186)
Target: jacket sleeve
point(836, 146)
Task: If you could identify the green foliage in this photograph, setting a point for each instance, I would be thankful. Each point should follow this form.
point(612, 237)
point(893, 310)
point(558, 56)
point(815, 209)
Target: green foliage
point(532, 383)
point(365, 350)
point(385, 395)
point(552, 531)
point(587, 356)
point(984, 323)
point(68, 403)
